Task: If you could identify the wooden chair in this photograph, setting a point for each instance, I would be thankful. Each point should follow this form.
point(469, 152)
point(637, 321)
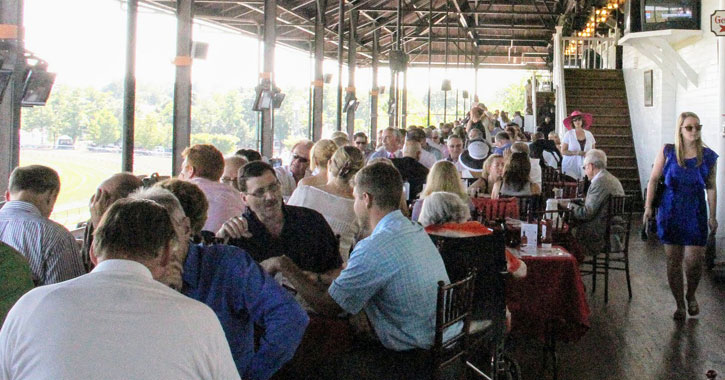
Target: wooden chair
point(529, 205)
point(558, 221)
point(454, 306)
point(549, 174)
point(486, 256)
point(489, 210)
point(615, 253)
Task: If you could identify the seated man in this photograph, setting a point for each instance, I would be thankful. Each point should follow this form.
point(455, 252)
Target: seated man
point(360, 139)
point(389, 145)
point(289, 176)
point(392, 275)
point(226, 279)
point(591, 218)
point(455, 148)
point(412, 171)
point(49, 247)
point(249, 154)
point(502, 143)
point(116, 187)
point(428, 154)
point(269, 228)
point(203, 166)
point(231, 168)
point(117, 322)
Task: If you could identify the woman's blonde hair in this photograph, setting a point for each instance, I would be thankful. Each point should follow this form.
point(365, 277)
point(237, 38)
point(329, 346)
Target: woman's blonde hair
point(322, 151)
point(486, 171)
point(679, 144)
point(443, 176)
point(346, 162)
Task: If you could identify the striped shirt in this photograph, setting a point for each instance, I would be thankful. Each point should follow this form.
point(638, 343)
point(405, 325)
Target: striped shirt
point(50, 249)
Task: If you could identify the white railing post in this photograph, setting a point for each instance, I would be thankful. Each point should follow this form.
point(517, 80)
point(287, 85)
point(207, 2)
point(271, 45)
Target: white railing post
point(558, 80)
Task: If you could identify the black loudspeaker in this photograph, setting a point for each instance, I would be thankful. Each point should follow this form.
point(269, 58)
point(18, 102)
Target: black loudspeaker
point(446, 85)
point(398, 60)
point(327, 78)
point(199, 50)
point(465, 94)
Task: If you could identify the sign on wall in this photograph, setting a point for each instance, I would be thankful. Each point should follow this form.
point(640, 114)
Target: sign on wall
point(717, 23)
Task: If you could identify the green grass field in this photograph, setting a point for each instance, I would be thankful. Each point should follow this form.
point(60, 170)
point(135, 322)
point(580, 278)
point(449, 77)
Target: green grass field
point(81, 171)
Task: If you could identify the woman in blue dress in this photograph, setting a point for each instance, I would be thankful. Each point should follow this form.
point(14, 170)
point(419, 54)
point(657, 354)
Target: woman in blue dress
point(689, 170)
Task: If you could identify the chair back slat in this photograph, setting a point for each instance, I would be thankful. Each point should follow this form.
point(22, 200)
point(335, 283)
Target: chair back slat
point(558, 221)
point(494, 209)
point(529, 205)
point(619, 217)
point(454, 304)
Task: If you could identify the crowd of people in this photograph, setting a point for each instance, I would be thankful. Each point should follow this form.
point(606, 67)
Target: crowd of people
point(218, 273)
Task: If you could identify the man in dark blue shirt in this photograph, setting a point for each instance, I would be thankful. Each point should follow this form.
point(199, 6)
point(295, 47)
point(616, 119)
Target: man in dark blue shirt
point(269, 228)
point(229, 281)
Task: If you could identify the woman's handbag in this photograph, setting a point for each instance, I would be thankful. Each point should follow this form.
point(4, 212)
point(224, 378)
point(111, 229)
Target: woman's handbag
point(659, 191)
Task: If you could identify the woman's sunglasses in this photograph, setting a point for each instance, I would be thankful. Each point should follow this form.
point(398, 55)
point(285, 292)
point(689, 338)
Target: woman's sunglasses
point(697, 127)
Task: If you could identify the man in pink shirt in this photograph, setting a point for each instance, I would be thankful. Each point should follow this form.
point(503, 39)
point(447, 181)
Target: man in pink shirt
point(203, 166)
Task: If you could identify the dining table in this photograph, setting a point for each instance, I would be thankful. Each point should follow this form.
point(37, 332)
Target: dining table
point(549, 303)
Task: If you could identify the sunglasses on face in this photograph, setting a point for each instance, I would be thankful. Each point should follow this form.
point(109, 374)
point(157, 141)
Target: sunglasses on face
point(303, 160)
point(576, 119)
point(689, 128)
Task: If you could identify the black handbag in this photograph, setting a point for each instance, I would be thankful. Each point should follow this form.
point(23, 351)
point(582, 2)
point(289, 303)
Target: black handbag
point(659, 191)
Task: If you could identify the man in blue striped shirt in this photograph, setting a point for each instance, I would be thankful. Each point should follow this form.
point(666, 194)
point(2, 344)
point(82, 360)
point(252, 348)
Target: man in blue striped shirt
point(24, 225)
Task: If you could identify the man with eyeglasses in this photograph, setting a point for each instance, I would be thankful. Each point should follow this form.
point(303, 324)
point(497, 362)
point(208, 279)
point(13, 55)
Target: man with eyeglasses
point(361, 142)
point(203, 166)
point(390, 145)
point(289, 176)
point(591, 217)
point(455, 148)
point(231, 167)
point(269, 228)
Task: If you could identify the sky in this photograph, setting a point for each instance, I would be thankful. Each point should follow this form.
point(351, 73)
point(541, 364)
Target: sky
point(84, 43)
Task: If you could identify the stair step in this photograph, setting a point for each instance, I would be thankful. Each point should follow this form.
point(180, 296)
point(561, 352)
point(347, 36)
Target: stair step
point(576, 92)
point(617, 150)
point(594, 84)
point(587, 73)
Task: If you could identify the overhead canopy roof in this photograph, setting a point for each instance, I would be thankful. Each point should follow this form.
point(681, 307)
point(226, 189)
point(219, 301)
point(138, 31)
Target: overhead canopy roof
point(501, 32)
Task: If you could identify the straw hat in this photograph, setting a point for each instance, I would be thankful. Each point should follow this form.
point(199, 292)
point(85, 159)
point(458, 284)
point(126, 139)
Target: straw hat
point(587, 119)
point(473, 157)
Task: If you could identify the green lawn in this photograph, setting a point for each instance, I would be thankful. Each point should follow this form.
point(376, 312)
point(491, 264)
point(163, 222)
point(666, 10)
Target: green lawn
point(81, 172)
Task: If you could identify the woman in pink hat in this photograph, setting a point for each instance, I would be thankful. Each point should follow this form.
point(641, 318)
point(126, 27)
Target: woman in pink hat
point(576, 143)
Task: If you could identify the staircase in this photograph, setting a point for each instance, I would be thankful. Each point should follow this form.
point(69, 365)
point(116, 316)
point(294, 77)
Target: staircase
point(602, 93)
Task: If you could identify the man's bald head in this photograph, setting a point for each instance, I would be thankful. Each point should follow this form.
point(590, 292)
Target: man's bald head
point(412, 149)
point(121, 185)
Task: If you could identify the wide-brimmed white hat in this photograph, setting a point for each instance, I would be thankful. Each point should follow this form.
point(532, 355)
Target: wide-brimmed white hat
point(475, 154)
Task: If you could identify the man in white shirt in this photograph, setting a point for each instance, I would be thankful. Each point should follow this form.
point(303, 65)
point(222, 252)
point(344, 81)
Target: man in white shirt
point(289, 176)
point(203, 166)
point(455, 148)
point(427, 158)
point(117, 322)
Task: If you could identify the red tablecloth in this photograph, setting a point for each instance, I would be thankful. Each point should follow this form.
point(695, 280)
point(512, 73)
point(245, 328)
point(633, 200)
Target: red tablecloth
point(550, 296)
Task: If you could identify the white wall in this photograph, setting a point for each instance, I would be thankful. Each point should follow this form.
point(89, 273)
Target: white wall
point(654, 126)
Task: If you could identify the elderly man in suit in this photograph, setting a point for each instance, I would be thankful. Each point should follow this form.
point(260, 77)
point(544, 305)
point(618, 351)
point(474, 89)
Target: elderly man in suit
point(590, 219)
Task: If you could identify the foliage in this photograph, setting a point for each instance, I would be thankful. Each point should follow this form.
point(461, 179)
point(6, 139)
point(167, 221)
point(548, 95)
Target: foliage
point(225, 143)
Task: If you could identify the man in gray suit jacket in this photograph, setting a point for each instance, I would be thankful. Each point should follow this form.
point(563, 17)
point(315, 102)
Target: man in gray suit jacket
point(590, 219)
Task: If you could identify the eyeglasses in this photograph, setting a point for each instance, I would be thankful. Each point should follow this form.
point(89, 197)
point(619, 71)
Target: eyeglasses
point(361, 143)
point(576, 119)
point(259, 193)
point(697, 127)
point(584, 167)
point(303, 160)
point(228, 180)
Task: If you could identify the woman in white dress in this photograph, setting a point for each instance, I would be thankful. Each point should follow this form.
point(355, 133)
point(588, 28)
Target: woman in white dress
point(321, 153)
point(576, 143)
point(334, 199)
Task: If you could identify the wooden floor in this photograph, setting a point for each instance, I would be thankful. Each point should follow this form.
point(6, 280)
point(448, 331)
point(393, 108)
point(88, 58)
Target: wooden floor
point(638, 339)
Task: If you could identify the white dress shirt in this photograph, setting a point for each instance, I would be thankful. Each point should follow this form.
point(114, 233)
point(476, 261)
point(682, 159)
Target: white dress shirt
point(116, 322)
point(224, 202)
point(287, 181)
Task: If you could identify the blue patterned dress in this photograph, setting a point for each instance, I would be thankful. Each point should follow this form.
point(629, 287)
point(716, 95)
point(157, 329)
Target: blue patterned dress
point(682, 215)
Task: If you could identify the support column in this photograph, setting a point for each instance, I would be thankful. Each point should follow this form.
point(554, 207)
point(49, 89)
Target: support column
point(374, 93)
point(392, 101)
point(319, 82)
point(475, 75)
point(270, 39)
point(351, 55)
point(720, 136)
point(404, 103)
point(11, 14)
point(182, 86)
point(430, 52)
point(340, 40)
point(129, 88)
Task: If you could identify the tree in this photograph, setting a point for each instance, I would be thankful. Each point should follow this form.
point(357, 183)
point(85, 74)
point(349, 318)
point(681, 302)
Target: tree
point(149, 133)
point(225, 143)
point(104, 128)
